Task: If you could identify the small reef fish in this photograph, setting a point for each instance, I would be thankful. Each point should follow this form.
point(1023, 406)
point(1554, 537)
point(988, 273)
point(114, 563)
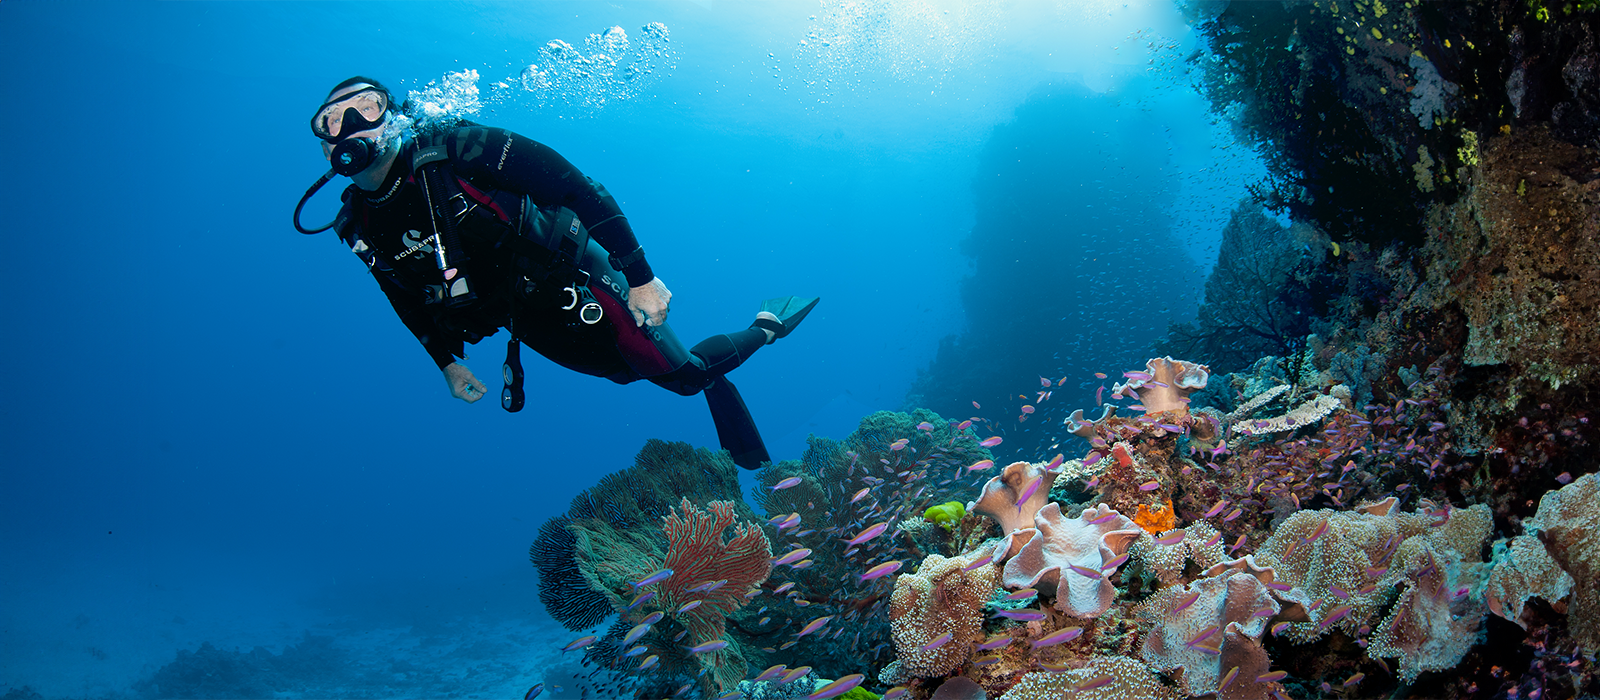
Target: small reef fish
point(686, 607)
point(1280, 628)
point(707, 587)
point(780, 589)
point(649, 662)
point(635, 651)
point(653, 618)
point(860, 494)
point(1236, 512)
point(1186, 601)
point(794, 673)
point(1238, 543)
point(868, 534)
point(786, 645)
point(978, 564)
point(995, 642)
point(937, 642)
point(1023, 594)
point(786, 483)
point(580, 643)
point(1028, 491)
point(1272, 677)
point(713, 645)
point(731, 695)
point(837, 688)
point(881, 570)
point(1085, 571)
point(1025, 614)
point(898, 692)
point(1149, 486)
point(1055, 462)
point(1338, 593)
point(924, 426)
point(1321, 528)
point(814, 625)
point(804, 564)
point(1108, 517)
point(1097, 682)
point(980, 465)
point(792, 557)
point(1223, 685)
point(641, 599)
point(1214, 539)
point(1115, 562)
point(1204, 634)
point(656, 577)
point(1056, 666)
point(1274, 585)
point(990, 442)
point(533, 692)
point(963, 425)
point(1216, 508)
point(771, 673)
point(1337, 614)
point(1057, 637)
point(986, 660)
point(1138, 376)
point(634, 634)
point(764, 621)
point(1354, 679)
point(791, 521)
point(1170, 539)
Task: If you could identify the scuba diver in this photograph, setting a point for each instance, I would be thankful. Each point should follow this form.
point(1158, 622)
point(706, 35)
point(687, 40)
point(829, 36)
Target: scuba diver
point(471, 229)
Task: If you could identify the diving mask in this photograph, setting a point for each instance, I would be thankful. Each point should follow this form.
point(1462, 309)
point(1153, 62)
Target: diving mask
point(349, 114)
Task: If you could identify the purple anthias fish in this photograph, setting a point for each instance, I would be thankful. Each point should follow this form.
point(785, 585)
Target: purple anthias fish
point(837, 688)
point(786, 483)
point(656, 577)
point(814, 625)
point(771, 673)
point(1025, 614)
point(713, 645)
point(881, 570)
point(937, 642)
point(868, 534)
point(792, 557)
point(990, 442)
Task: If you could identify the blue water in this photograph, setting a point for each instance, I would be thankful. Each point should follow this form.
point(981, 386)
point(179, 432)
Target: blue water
point(215, 430)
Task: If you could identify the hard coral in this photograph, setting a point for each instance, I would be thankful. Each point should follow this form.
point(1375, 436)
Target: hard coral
point(940, 598)
point(1062, 553)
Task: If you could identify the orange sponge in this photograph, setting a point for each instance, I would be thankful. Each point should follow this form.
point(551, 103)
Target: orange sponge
point(1159, 520)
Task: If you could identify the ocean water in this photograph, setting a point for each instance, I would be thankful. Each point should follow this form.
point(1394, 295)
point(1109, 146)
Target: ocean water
point(218, 438)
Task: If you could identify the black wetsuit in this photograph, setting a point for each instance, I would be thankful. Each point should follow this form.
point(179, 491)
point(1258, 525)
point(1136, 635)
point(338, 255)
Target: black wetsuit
point(509, 186)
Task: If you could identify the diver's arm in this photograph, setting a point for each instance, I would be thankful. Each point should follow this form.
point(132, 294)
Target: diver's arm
point(504, 160)
point(443, 350)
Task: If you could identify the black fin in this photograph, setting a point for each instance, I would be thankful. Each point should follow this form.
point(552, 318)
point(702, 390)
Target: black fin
point(736, 430)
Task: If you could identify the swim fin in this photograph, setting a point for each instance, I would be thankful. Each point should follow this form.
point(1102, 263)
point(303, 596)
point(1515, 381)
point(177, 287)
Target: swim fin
point(790, 312)
point(736, 430)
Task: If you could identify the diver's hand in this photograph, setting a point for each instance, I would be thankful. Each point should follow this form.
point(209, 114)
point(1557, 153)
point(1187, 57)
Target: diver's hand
point(648, 302)
point(463, 385)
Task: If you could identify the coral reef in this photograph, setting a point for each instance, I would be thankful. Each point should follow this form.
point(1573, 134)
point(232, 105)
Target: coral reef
point(1013, 497)
point(1568, 523)
point(1067, 557)
point(936, 615)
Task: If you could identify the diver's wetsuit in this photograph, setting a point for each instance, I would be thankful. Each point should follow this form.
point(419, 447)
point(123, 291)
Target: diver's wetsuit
point(509, 183)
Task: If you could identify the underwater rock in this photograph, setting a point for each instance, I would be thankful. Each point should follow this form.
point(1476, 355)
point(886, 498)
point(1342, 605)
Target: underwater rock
point(1062, 553)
